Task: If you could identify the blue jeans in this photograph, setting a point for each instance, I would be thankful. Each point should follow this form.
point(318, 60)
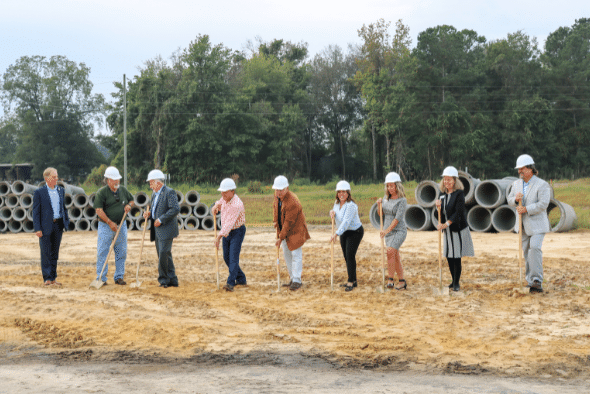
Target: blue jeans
point(232, 245)
point(105, 238)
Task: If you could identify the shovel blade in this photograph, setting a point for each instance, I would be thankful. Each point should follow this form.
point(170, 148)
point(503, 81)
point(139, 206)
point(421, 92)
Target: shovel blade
point(136, 284)
point(440, 291)
point(96, 284)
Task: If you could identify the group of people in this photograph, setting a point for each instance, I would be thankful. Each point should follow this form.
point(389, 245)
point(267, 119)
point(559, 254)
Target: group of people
point(530, 195)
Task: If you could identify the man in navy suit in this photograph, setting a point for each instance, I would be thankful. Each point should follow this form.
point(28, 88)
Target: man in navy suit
point(164, 212)
point(50, 218)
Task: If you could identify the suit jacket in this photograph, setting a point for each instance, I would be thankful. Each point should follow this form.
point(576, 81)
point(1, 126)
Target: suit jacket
point(454, 210)
point(43, 211)
point(167, 210)
point(294, 227)
point(536, 201)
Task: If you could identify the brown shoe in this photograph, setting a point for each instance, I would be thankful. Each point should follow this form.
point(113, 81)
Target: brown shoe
point(55, 283)
point(120, 281)
point(48, 283)
point(295, 286)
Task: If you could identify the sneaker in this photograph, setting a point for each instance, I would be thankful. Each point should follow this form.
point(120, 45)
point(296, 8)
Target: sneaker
point(295, 286)
point(120, 281)
point(536, 287)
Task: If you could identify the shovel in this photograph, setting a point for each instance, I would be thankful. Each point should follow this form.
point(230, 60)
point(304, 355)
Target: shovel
point(381, 289)
point(440, 290)
point(137, 282)
point(97, 283)
point(521, 288)
point(278, 271)
point(332, 263)
point(216, 254)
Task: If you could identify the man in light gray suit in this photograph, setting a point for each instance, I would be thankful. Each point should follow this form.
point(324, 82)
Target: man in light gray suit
point(535, 194)
point(164, 212)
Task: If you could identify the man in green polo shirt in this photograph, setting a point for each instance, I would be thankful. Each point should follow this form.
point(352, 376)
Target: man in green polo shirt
point(111, 202)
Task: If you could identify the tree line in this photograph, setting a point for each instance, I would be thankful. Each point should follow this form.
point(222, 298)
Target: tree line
point(357, 113)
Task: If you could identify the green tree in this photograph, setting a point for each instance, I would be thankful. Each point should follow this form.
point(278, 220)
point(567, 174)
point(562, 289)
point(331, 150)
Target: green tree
point(55, 111)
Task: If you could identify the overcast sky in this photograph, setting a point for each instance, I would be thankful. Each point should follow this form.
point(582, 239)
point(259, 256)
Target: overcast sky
point(114, 37)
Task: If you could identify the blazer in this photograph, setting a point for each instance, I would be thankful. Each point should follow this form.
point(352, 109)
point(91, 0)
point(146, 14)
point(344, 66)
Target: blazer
point(294, 227)
point(167, 211)
point(536, 201)
point(43, 211)
point(454, 210)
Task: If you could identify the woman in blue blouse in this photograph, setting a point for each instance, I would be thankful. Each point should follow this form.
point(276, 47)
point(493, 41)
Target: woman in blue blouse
point(350, 229)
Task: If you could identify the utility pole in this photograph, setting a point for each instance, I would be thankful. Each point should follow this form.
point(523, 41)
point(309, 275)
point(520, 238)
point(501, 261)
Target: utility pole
point(124, 131)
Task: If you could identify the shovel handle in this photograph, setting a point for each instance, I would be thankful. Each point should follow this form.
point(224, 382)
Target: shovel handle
point(332, 259)
point(216, 253)
point(278, 269)
point(382, 245)
point(145, 222)
point(439, 249)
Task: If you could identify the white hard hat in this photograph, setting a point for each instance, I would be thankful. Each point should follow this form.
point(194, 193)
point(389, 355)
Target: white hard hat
point(155, 175)
point(280, 183)
point(450, 171)
point(227, 184)
point(112, 173)
point(524, 160)
point(392, 177)
point(343, 185)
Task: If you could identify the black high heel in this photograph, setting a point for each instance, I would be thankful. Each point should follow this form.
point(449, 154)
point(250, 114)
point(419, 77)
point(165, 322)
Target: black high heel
point(404, 287)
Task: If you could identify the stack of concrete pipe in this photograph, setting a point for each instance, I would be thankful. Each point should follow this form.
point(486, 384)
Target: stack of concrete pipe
point(16, 209)
point(486, 204)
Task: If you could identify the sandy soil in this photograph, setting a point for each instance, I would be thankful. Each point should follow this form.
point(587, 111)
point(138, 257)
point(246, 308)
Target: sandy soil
point(488, 329)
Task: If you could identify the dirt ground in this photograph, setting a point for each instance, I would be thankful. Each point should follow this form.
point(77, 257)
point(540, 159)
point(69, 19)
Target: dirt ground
point(488, 329)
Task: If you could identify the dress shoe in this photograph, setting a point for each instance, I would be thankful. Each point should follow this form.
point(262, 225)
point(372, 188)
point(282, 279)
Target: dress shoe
point(120, 281)
point(163, 285)
point(228, 287)
point(287, 284)
point(295, 286)
point(456, 287)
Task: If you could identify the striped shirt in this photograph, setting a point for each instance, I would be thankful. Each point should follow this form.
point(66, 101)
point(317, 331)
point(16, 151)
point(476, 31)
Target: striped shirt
point(233, 214)
point(347, 217)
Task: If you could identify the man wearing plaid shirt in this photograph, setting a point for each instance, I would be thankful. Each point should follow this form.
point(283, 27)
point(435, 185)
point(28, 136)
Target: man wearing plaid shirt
point(233, 230)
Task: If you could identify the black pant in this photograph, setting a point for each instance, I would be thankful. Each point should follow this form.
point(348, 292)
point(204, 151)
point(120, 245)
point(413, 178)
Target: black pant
point(455, 268)
point(350, 241)
point(49, 244)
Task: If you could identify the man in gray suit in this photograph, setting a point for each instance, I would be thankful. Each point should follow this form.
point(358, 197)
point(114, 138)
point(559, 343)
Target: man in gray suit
point(164, 211)
point(534, 194)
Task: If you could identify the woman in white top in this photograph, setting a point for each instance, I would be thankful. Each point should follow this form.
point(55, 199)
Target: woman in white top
point(350, 229)
point(394, 205)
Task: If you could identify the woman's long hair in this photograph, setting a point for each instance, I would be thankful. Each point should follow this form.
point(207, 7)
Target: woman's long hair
point(349, 199)
point(400, 191)
point(458, 185)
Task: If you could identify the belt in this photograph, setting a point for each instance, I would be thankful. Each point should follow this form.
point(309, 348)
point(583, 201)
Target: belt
point(55, 220)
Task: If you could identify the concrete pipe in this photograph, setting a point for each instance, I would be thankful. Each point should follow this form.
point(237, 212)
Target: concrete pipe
point(75, 213)
point(5, 188)
point(80, 201)
point(469, 186)
point(479, 219)
point(30, 213)
point(139, 223)
point(5, 213)
point(94, 224)
point(3, 226)
point(91, 198)
point(28, 226)
point(427, 193)
point(19, 213)
point(130, 223)
point(26, 200)
point(1, 201)
point(219, 222)
point(504, 218)
point(180, 196)
point(185, 210)
point(207, 223)
point(72, 225)
point(418, 218)
point(434, 217)
point(15, 226)
point(201, 210)
point(192, 198)
point(191, 223)
point(71, 189)
point(135, 212)
point(20, 187)
point(89, 213)
point(211, 210)
point(567, 219)
point(374, 216)
point(180, 223)
point(491, 193)
point(83, 224)
point(68, 200)
point(11, 201)
point(141, 199)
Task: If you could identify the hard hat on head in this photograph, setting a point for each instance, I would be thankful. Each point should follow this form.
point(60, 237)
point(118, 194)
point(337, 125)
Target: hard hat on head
point(112, 173)
point(343, 185)
point(280, 183)
point(227, 184)
point(450, 171)
point(392, 177)
point(156, 175)
point(524, 160)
